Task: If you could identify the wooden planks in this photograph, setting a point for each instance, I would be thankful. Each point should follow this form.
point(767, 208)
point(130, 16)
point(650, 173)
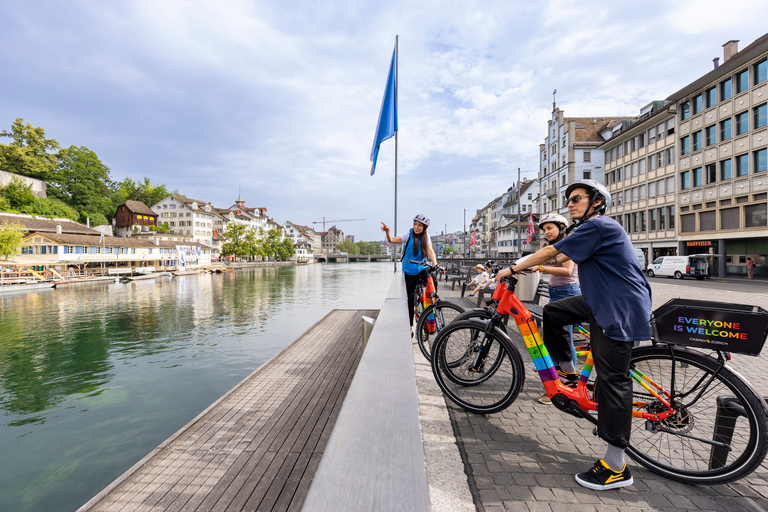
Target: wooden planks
point(256, 448)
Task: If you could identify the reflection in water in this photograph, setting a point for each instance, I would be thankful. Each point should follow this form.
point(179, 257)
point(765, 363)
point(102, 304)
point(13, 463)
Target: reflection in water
point(93, 377)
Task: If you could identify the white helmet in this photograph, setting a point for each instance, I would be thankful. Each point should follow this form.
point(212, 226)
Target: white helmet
point(555, 218)
point(423, 219)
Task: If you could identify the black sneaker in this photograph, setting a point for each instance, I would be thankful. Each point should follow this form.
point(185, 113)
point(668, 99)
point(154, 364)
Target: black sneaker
point(602, 478)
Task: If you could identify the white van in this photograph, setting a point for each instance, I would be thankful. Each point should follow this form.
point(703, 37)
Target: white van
point(680, 267)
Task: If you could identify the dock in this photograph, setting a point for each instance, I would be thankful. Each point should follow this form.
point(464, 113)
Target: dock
point(258, 446)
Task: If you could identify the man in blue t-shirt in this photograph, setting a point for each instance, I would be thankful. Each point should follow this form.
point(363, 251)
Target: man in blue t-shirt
point(616, 301)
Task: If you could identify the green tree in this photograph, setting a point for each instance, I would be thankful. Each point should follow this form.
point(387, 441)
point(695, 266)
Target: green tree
point(29, 153)
point(285, 249)
point(448, 250)
point(349, 247)
point(82, 181)
point(235, 240)
point(129, 190)
point(18, 197)
point(374, 248)
point(11, 235)
point(269, 243)
point(363, 247)
point(252, 237)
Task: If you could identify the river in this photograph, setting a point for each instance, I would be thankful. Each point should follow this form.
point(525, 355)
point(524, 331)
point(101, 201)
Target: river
point(93, 377)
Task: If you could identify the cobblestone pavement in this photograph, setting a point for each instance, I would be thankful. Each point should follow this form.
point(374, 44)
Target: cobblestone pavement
point(525, 457)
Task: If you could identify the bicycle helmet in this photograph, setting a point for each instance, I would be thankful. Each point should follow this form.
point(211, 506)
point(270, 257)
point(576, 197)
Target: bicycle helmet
point(490, 263)
point(555, 218)
point(597, 189)
point(423, 219)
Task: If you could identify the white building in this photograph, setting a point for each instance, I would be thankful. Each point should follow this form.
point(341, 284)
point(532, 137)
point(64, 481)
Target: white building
point(187, 216)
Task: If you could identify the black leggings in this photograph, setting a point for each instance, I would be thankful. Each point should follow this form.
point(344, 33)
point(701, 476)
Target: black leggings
point(410, 288)
point(611, 357)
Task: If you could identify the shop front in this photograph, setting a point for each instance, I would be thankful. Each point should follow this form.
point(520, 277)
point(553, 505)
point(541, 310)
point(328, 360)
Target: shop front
point(708, 248)
point(739, 251)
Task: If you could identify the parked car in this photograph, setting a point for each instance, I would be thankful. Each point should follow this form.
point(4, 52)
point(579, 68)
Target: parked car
point(680, 267)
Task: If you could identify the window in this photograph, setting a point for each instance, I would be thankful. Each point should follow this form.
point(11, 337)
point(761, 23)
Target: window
point(587, 175)
point(725, 169)
point(660, 187)
point(755, 215)
point(685, 180)
point(742, 123)
point(642, 221)
point(670, 155)
point(641, 140)
point(660, 159)
point(711, 171)
point(587, 156)
point(760, 71)
point(697, 140)
point(684, 113)
point(697, 104)
point(697, 177)
point(685, 147)
point(670, 184)
point(725, 90)
point(652, 162)
point(760, 162)
point(660, 132)
point(742, 81)
point(652, 135)
point(729, 218)
point(670, 126)
point(725, 130)
point(688, 223)
point(710, 133)
point(710, 97)
point(652, 220)
point(661, 217)
point(652, 189)
point(760, 116)
point(742, 165)
point(708, 221)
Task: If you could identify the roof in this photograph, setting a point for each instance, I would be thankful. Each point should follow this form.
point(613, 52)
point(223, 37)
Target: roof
point(755, 49)
point(138, 207)
point(40, 224)
point(109, 241)
point(591, 127)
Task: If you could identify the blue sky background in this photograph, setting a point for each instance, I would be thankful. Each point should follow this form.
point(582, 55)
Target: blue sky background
point(281, 98)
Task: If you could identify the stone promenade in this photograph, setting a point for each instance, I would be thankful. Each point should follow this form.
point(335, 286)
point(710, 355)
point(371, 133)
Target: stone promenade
point(525, 457)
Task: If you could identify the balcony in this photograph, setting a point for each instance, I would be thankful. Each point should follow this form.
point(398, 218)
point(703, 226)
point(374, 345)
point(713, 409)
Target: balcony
point(551, 192)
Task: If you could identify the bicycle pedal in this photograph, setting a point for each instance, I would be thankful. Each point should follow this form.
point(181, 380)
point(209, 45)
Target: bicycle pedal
point(594, 431)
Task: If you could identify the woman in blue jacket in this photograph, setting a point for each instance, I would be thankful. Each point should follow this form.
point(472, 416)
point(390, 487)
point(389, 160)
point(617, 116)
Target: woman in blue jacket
point(417, 246)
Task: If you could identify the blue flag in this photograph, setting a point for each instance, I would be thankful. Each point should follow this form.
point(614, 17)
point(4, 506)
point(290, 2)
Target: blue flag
point(387, 125)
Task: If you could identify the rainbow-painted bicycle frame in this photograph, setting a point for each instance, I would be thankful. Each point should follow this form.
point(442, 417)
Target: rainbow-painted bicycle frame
point(509, 304)
point(425, 300)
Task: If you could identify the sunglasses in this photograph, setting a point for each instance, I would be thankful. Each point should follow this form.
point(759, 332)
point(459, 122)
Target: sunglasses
point(574, 199)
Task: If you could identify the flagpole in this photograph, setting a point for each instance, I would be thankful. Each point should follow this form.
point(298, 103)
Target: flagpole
point(397, 57)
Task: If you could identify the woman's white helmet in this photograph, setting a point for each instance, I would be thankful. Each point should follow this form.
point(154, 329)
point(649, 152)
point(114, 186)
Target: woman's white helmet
point(423, 219)
point(555, 218)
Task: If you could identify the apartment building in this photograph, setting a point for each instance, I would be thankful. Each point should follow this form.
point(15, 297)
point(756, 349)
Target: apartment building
point(640, 171)
point(524, 195)
point(571, 151)
point(187, 216)
point(690, 174)
point(723, 160)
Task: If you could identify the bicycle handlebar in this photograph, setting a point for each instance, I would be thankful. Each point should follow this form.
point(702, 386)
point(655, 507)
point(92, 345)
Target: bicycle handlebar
point(427, 263)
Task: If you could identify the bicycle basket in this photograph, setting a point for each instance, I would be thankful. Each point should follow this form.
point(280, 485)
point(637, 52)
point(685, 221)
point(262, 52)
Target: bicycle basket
point(738, 328)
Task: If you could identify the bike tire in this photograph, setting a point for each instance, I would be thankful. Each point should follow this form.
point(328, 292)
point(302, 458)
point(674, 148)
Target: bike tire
point(689, 460)
point(444, 313)
point(480, 314)
point(481, 392)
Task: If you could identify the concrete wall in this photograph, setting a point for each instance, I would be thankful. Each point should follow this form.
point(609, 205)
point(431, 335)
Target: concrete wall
point(39, 188)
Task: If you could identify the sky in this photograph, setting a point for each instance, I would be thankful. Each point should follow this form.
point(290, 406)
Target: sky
point(279, 100)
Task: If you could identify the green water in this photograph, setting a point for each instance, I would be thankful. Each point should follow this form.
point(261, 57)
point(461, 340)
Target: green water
point(93, 377)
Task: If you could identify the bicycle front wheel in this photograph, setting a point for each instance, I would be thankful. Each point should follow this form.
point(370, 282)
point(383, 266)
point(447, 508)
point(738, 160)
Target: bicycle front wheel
point(482, 385)
point(433, 320)
point(718, 434)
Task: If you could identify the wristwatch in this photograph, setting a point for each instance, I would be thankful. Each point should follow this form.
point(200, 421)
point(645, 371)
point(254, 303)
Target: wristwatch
point(541, 268)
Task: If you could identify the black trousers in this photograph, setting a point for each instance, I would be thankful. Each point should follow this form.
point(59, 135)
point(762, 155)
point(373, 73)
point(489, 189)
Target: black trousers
point(613, 392)
point(410, 288)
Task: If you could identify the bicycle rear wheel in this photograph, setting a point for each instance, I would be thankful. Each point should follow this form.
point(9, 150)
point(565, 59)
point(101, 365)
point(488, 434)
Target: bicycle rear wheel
point(712, 405)
point(433, 320)
point(479, 386)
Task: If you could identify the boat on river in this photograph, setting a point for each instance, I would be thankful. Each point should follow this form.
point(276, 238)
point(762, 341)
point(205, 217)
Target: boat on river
point(84, 280)
point(142, 277)
point(186, 272)
point(23, 287)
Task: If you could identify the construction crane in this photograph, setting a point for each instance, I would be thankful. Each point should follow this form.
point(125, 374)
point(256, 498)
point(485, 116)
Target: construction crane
point(333, 221)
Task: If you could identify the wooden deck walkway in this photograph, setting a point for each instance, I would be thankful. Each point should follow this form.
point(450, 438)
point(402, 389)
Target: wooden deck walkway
point(257, 447)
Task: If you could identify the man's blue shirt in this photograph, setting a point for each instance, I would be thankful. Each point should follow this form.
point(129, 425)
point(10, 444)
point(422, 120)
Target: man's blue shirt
point(612, 282)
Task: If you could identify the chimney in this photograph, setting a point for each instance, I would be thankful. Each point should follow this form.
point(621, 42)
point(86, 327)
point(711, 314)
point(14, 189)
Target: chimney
point(730, 49)
point(58, 229)
point(716, 60)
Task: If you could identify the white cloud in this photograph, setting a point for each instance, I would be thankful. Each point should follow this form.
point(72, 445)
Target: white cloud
point(281, 98)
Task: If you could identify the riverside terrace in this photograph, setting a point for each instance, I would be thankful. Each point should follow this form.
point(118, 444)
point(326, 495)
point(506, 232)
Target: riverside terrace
point(396, 446)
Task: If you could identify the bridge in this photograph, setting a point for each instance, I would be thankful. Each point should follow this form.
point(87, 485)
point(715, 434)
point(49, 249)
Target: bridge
point(343, 258)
